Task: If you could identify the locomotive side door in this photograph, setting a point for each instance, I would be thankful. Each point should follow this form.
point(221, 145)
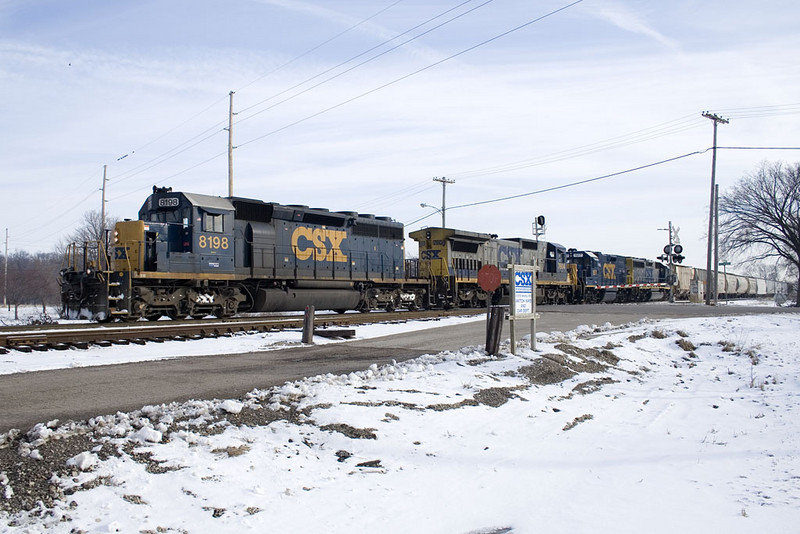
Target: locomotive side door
point(150, 254)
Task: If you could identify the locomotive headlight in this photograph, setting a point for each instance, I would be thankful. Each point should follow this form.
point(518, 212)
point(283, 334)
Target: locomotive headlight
point(116, 236)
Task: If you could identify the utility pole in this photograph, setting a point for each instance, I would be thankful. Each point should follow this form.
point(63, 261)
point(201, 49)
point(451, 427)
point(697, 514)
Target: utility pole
point(103, 203)
point(5, 277)
point(716, 245)
point(711, 210)
point(103, 237)
point(444, 181)
point(230, 145)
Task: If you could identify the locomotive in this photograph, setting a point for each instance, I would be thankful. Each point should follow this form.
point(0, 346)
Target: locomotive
point(451, 259)
point(194, 255)
point(191, 255)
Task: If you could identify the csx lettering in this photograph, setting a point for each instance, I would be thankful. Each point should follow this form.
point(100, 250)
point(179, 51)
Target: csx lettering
point(507, 253)
point(430, 254)
point(522, 279)
point(608, 270)
point(321, 243)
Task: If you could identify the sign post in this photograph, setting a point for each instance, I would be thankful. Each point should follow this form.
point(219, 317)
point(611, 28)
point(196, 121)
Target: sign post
point(523, 300)
point(489, 279)
point(725, 276)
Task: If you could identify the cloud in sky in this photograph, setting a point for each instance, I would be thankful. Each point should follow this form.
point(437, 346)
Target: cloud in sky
point(622, 16)
point(596, 89)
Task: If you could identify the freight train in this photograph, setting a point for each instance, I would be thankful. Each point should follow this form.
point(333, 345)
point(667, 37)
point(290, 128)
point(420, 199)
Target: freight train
point(191, 255)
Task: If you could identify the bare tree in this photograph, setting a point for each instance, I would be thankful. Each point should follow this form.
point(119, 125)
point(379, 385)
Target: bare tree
point(90, 230)
point(761, 215)
point(32, 280)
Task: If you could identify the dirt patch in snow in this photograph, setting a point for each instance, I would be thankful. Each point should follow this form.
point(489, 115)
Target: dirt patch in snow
point(351, 432)
point(578, 420)
point(29, 471)
point(495, 397)
point(546, 371)
point(590, 386)
point(590, 355)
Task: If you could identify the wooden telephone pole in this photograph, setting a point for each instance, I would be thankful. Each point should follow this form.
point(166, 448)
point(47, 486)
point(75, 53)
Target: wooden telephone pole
point(230, 145)
point(444, 181)
point(711, 285)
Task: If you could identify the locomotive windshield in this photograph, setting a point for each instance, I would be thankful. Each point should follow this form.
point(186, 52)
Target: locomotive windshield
point(177, 215)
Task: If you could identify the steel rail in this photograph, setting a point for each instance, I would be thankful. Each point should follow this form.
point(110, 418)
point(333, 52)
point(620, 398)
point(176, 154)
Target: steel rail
point(62, 337)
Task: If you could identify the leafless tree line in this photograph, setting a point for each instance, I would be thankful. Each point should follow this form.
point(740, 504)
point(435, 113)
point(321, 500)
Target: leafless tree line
point(33, 278)
point(760, 218)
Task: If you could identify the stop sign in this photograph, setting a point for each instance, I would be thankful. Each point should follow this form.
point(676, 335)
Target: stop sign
point(489, 277)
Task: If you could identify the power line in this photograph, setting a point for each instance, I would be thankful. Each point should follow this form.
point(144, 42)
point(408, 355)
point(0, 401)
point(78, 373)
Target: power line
point(605, 176)
point(762, 111)
point(581, 182)
point(218, 126)
point(363, 62)
point(646, 134)
point(571, 184)
point(409, 75)
point(758, 148)
point(317, 47)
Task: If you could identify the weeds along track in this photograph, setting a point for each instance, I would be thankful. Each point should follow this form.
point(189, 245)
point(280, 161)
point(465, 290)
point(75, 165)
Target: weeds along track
point(82, 335)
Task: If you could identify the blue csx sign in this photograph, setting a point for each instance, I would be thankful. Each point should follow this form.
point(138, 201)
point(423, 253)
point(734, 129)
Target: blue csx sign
point(523, 279)
point(432, 254)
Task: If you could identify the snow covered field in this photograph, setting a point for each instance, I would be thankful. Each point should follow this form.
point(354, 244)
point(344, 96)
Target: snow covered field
point(686, 425)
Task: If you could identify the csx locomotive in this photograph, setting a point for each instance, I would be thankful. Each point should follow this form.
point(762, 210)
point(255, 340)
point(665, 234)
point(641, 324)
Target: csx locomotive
point(191, 255)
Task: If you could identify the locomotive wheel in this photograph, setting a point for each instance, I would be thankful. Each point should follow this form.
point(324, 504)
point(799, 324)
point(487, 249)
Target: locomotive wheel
point(175, 316)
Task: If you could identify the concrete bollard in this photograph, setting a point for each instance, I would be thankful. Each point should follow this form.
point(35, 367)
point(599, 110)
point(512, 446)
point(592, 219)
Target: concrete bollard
point(308, 326)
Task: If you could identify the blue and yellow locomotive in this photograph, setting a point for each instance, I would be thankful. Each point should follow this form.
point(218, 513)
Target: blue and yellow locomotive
point(193, 255)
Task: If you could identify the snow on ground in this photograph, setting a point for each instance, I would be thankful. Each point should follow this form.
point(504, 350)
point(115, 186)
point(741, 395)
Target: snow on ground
point(668, 426)
point(18, 362)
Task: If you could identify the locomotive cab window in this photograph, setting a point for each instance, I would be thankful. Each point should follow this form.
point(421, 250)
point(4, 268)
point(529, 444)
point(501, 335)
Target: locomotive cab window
point(212, 222)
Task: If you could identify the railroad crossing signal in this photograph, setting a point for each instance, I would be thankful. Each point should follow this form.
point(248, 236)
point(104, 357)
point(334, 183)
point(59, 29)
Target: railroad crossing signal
point(672, 254)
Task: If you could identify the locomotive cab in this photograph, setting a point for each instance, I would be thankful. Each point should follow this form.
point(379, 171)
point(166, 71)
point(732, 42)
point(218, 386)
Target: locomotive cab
point(588, 271)
point(175, 260)
point(177, 233)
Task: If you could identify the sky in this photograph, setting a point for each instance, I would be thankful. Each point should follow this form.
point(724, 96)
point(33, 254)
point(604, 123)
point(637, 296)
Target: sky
point(358, 106)
point(631, 431)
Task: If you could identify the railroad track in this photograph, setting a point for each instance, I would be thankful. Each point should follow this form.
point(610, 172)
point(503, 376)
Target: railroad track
point(66, 336)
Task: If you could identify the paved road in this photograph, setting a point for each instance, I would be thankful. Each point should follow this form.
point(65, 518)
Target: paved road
point(81, 393)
